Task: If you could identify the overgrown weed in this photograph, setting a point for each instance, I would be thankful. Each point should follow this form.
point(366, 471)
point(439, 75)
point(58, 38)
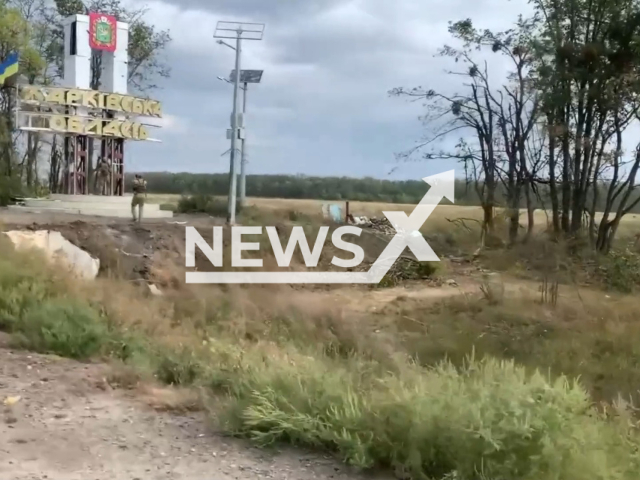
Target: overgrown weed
point(306, 373)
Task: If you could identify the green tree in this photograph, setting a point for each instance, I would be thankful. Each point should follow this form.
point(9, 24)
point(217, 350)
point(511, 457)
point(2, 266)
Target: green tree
point(558, 119)
point(588, 61)
point(15, 36)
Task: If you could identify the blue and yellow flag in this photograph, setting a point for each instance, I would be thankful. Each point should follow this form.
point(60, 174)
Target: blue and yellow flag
point(9, 67)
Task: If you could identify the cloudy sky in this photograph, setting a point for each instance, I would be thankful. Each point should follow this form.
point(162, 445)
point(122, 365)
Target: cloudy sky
point(322, 107)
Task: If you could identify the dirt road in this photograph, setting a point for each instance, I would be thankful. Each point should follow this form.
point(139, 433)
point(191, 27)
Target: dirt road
point(69, 425)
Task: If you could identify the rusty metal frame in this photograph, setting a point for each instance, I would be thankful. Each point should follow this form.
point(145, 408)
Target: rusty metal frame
point(76, 165)
point(113, 152)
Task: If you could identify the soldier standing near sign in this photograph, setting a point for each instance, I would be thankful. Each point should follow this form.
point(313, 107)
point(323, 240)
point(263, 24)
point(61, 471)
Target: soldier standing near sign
point(102, 176)
point(139, 196)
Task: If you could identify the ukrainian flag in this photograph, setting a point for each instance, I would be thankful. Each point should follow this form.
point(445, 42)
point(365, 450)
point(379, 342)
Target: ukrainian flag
point(8, 67)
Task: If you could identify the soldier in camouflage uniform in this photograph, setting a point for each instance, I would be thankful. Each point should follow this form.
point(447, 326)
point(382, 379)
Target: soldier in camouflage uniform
point(139, 196)
point(102, 176)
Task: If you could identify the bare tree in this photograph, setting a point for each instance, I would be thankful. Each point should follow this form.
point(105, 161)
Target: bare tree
point(500, 118)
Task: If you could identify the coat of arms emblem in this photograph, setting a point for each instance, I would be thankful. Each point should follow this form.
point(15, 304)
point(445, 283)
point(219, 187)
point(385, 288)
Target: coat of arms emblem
point(102, 32)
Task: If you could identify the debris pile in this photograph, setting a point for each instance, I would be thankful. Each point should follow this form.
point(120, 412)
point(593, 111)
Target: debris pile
point(380, 225)
point(406, 269)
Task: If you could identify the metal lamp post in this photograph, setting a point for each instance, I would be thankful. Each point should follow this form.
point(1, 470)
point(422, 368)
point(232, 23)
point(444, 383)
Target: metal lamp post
point(238, 31)
point(246, 77)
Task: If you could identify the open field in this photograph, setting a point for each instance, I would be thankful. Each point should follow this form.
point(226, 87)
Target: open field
point(280, 207)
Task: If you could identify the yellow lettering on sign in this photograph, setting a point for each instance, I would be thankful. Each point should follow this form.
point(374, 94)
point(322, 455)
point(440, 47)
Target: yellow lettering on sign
point(92, 100)
point(56, 95)
point(58, 123)
point(89, 99)
point(142, 133)
point(147, 108)
point(75, 125)
point(94, 127)
point(81, 125)
point(138, 106)
point(113, 102)
point(125, 129)
point(74, 97)
point(112, 129)
point(32, 94)
point(127, 103)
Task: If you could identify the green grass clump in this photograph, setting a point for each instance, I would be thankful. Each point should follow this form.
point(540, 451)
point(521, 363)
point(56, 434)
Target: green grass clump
point(169, 207)
point(182, 367)
point(202, 204)
point(63, 327)
point(43, 317)
point(489, 419)
point(621, 270)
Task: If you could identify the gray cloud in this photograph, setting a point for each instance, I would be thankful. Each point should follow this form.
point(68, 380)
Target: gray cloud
point(322, 108)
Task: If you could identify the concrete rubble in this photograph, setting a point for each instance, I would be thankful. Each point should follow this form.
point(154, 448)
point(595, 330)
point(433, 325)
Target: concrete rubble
point(379, 225)
point(93, 205)
point(56, 247)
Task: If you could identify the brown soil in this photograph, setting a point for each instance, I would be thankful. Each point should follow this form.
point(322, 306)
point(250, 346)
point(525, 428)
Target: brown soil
point(69, 424)
point(138, 251)
point(125, 249)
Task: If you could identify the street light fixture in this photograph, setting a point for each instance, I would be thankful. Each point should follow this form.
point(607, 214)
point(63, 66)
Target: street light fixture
point(238, 31)
point(246, 77)
point(220, 42)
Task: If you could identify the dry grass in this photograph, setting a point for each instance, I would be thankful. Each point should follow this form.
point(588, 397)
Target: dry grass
point(293, 366)
point(511, 325)
point(438, 221)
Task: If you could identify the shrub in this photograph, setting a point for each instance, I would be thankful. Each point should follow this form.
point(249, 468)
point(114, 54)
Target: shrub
point(64, 327)
point(489, 419)
point(169, 207)
point(9, 187)
point(178, 367)
point(208, 204)
point(24, 287)
point(621, 270)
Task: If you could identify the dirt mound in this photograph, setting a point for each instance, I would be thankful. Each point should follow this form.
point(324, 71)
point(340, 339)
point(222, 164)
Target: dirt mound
point(125, 249)
point(154, 251)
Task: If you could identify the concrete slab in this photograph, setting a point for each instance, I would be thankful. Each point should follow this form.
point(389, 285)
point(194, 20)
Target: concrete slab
point(57, 247)
point(92, 211)
point(42, 203)
point(126, 199)
point(94, 205)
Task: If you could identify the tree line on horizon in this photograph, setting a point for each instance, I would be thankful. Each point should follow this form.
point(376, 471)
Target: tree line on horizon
point(366, 189)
